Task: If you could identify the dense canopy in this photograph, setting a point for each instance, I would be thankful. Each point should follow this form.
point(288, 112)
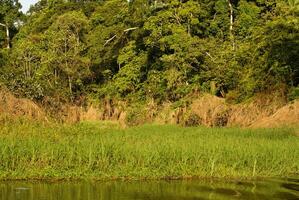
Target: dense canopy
point(142, 49)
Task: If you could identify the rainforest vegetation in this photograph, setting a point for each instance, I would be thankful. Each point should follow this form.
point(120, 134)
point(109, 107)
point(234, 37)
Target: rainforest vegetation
point(138, 55)
point(73, 51)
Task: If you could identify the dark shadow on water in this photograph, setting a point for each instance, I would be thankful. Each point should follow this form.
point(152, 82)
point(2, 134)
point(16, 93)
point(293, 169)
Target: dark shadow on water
point(286, 196)
point(293, 180)
point(291, 186)
point(151, 190)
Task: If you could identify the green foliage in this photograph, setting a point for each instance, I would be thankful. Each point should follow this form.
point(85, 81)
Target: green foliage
point(141, 50)
point(276, 53)
point(131, 64)
point(65, 48)
point(9, 11)
point(293, 93)
point(3, 57)
point(10, 17)
point(136, 115)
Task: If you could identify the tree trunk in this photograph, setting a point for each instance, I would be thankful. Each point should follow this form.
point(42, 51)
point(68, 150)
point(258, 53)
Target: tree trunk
point(55, 76)
point(70, 87)
point(7, 35)
point(231, 23)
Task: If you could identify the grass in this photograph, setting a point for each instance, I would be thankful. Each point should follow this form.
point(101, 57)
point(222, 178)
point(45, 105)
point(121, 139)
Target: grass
point(104, 151)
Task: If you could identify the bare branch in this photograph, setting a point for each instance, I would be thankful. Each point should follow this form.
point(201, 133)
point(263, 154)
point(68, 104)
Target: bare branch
point(130, 29)
point(2, 25)
point(125, 31)
point(109, 40)
point(210, 56)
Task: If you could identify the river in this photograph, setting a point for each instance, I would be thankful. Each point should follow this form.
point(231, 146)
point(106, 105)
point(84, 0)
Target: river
point(287, 189)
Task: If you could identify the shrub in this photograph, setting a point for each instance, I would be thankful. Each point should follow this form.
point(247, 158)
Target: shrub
point(136, 115)
point(192, 120)
point(293, 94)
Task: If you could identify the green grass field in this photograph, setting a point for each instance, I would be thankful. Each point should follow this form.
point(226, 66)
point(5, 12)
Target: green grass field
point(104, 151)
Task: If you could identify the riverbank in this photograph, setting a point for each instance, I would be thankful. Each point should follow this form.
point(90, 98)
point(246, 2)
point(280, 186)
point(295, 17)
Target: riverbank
point(104, 151)
point(202, 109)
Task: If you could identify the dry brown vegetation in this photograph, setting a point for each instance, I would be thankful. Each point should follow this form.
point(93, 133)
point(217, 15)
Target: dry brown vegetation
point(207, 110)
point(261, 111)
point(14, 107)
point(288, 114)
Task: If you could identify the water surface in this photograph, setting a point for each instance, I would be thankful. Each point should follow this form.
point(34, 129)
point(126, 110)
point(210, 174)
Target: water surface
point(287, 189)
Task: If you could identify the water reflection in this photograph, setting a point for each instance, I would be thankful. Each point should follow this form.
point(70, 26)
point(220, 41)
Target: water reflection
point(150, 190)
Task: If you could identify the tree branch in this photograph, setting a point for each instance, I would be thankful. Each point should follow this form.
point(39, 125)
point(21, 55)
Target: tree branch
point(210, 56)
point(3, 25)
point(125, 31)
point(130, 29)
point(109, 40)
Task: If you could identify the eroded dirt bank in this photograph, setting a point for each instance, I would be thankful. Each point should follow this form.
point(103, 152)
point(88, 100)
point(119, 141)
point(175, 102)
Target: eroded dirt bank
point(204, 110)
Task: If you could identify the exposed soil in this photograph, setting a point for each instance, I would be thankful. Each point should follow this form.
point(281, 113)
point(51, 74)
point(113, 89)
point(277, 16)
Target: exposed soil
point(13, 107)
point(287, 115)
point(206, 110)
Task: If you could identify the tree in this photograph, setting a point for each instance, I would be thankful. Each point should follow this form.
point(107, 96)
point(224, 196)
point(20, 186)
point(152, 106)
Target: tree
point(132, 64)
point(9, 15)
point(65, 49)
point(164, 49)
point(113, 25)
point(174, 47)
point(276, 53)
